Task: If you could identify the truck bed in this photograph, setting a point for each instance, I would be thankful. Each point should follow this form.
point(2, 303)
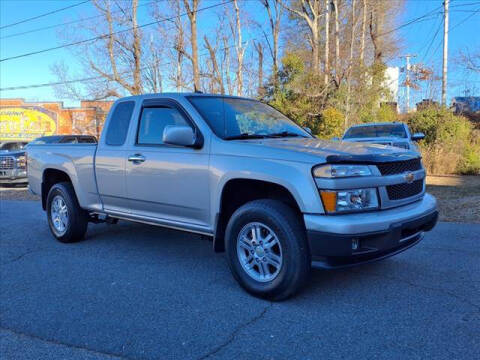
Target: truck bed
point(77, 160)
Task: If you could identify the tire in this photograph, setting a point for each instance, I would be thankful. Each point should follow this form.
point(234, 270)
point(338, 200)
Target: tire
point(286, 274)
point(61, 201)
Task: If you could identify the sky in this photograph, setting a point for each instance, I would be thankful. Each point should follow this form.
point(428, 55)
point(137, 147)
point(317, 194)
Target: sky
point(423, 39)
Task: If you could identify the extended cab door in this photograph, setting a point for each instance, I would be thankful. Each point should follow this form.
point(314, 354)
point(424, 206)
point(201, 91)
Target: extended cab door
point(167, 183)
point(110, 158)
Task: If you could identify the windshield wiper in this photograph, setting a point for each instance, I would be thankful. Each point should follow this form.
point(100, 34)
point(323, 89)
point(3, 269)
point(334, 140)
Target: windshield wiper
point(245, 136)
point(285, 134)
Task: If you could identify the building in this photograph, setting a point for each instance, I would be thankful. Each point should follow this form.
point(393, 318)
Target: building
point(466, 104)
point(20, 120)
point(391, 82)
point(427, 103)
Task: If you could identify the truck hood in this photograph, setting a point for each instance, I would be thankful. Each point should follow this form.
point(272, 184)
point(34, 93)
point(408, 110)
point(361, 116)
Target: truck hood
point(12, 153)
point(377, 140)
point(316, 150)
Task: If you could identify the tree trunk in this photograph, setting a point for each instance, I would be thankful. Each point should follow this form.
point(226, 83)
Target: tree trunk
point(217, 75)
point(327, 41)
point(337, 44)
point(239, 49)
point(364, 31)
point(192, 16)
point(137, 51)
point(259, 49)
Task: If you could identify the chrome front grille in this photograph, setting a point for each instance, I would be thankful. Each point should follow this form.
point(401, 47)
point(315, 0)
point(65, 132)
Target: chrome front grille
point(399, 167)
point(405, 190)
point(7, 162)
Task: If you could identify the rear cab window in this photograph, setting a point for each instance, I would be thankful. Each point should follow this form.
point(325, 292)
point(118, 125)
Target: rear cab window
point(120, 120)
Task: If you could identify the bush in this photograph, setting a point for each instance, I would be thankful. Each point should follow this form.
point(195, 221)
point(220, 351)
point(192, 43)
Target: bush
point(331, 124)
point(448, 146)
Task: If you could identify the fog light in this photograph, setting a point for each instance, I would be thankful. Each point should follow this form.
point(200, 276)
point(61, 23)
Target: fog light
point(355, 244)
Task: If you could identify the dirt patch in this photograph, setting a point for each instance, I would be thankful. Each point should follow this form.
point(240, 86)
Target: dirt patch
point(458, 197)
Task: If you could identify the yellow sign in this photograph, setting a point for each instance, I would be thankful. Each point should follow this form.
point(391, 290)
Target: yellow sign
point(24, 124)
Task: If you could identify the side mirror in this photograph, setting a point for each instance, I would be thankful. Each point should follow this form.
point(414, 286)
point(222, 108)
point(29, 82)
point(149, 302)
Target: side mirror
point(181, 136)
point(418, 136)
point(307, 129)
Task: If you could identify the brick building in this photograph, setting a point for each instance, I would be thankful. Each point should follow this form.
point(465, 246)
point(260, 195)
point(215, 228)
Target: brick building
point(20, 120)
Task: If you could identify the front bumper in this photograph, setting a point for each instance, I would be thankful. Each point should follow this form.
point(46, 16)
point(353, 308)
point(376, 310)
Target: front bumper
point(13, 176)
point(346, 240)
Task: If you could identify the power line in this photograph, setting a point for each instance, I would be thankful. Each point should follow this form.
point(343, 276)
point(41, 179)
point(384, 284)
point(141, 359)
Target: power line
point(67, 23)
point(431, 13)
point(106, 35)
point(454, 27)
point(43, 15)
point(100, 77)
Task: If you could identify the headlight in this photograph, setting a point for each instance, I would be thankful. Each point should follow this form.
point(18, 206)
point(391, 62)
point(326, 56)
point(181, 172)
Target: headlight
point(21, 162)
point(341, 170)
point(349, 200)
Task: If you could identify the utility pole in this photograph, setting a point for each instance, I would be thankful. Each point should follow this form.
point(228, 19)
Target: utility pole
point(407, 78)
point(445, 52)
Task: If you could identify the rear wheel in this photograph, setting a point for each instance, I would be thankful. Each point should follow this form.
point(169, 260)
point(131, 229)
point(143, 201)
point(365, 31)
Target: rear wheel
point(67, 220)
point(267, 249)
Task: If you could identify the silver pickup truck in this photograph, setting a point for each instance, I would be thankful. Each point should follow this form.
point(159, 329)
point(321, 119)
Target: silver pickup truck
point(275, 198)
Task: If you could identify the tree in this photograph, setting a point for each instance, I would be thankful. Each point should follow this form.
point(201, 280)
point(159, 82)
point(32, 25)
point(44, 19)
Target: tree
point(310, 12)
point(274, 12)
point(192, 7)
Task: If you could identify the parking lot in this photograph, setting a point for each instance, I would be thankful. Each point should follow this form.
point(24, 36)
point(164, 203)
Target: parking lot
point(140, 292)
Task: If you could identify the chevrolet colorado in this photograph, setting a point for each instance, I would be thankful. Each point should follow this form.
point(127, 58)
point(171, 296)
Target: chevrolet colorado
point(275, 198)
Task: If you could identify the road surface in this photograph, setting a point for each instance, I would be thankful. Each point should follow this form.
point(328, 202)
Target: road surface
point(133, 291)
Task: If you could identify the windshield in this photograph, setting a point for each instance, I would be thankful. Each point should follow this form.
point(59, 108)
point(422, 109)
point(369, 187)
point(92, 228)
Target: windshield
point(232, 118)
point(367, 131)
point(12, 146)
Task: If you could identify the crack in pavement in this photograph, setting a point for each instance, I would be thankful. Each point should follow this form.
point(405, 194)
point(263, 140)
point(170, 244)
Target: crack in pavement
point(55, 342)
point(443, 291)
point(235, 332)
point(22, 255)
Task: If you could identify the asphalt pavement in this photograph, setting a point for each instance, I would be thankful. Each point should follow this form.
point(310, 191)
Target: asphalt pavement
point(133, 291)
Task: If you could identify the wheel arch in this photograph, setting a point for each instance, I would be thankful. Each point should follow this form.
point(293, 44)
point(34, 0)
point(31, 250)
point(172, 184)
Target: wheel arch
point(50, 177)
point(239, 191)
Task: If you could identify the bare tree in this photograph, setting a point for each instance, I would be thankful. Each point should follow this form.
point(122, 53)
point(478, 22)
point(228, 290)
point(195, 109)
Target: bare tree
point(364, 31)
point(192, 7)
point(236, 29)
point(310, 12)
point(337, 43)
point(217, 74)
point(259, 48)
point(274, 12)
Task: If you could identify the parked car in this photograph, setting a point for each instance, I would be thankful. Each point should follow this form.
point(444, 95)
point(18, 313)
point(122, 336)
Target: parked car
point(13, 163)
point(65, 139)
point(275, 198)
point(393, 134)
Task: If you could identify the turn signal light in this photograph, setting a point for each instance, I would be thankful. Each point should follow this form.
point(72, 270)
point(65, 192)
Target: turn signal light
point(329, 199)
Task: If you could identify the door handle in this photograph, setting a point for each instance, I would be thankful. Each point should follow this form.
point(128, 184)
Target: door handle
point(137, 158)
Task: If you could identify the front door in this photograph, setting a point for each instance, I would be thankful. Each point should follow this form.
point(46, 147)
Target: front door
point(165, 182)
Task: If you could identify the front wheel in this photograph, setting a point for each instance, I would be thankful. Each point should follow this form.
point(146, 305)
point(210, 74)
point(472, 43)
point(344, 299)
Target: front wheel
point(267, 249)
point(67, 220)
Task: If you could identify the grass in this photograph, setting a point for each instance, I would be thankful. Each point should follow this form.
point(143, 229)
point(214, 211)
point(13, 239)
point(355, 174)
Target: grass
point(458, 197)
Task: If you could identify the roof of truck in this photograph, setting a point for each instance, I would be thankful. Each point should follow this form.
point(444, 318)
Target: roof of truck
point(179, 95)
point(379, 124)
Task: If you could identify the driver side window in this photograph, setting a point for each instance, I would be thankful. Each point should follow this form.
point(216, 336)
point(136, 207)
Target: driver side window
point(153, 122)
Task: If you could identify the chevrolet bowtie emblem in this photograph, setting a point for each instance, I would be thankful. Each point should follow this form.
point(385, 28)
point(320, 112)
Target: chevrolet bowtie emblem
point(409, 177)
